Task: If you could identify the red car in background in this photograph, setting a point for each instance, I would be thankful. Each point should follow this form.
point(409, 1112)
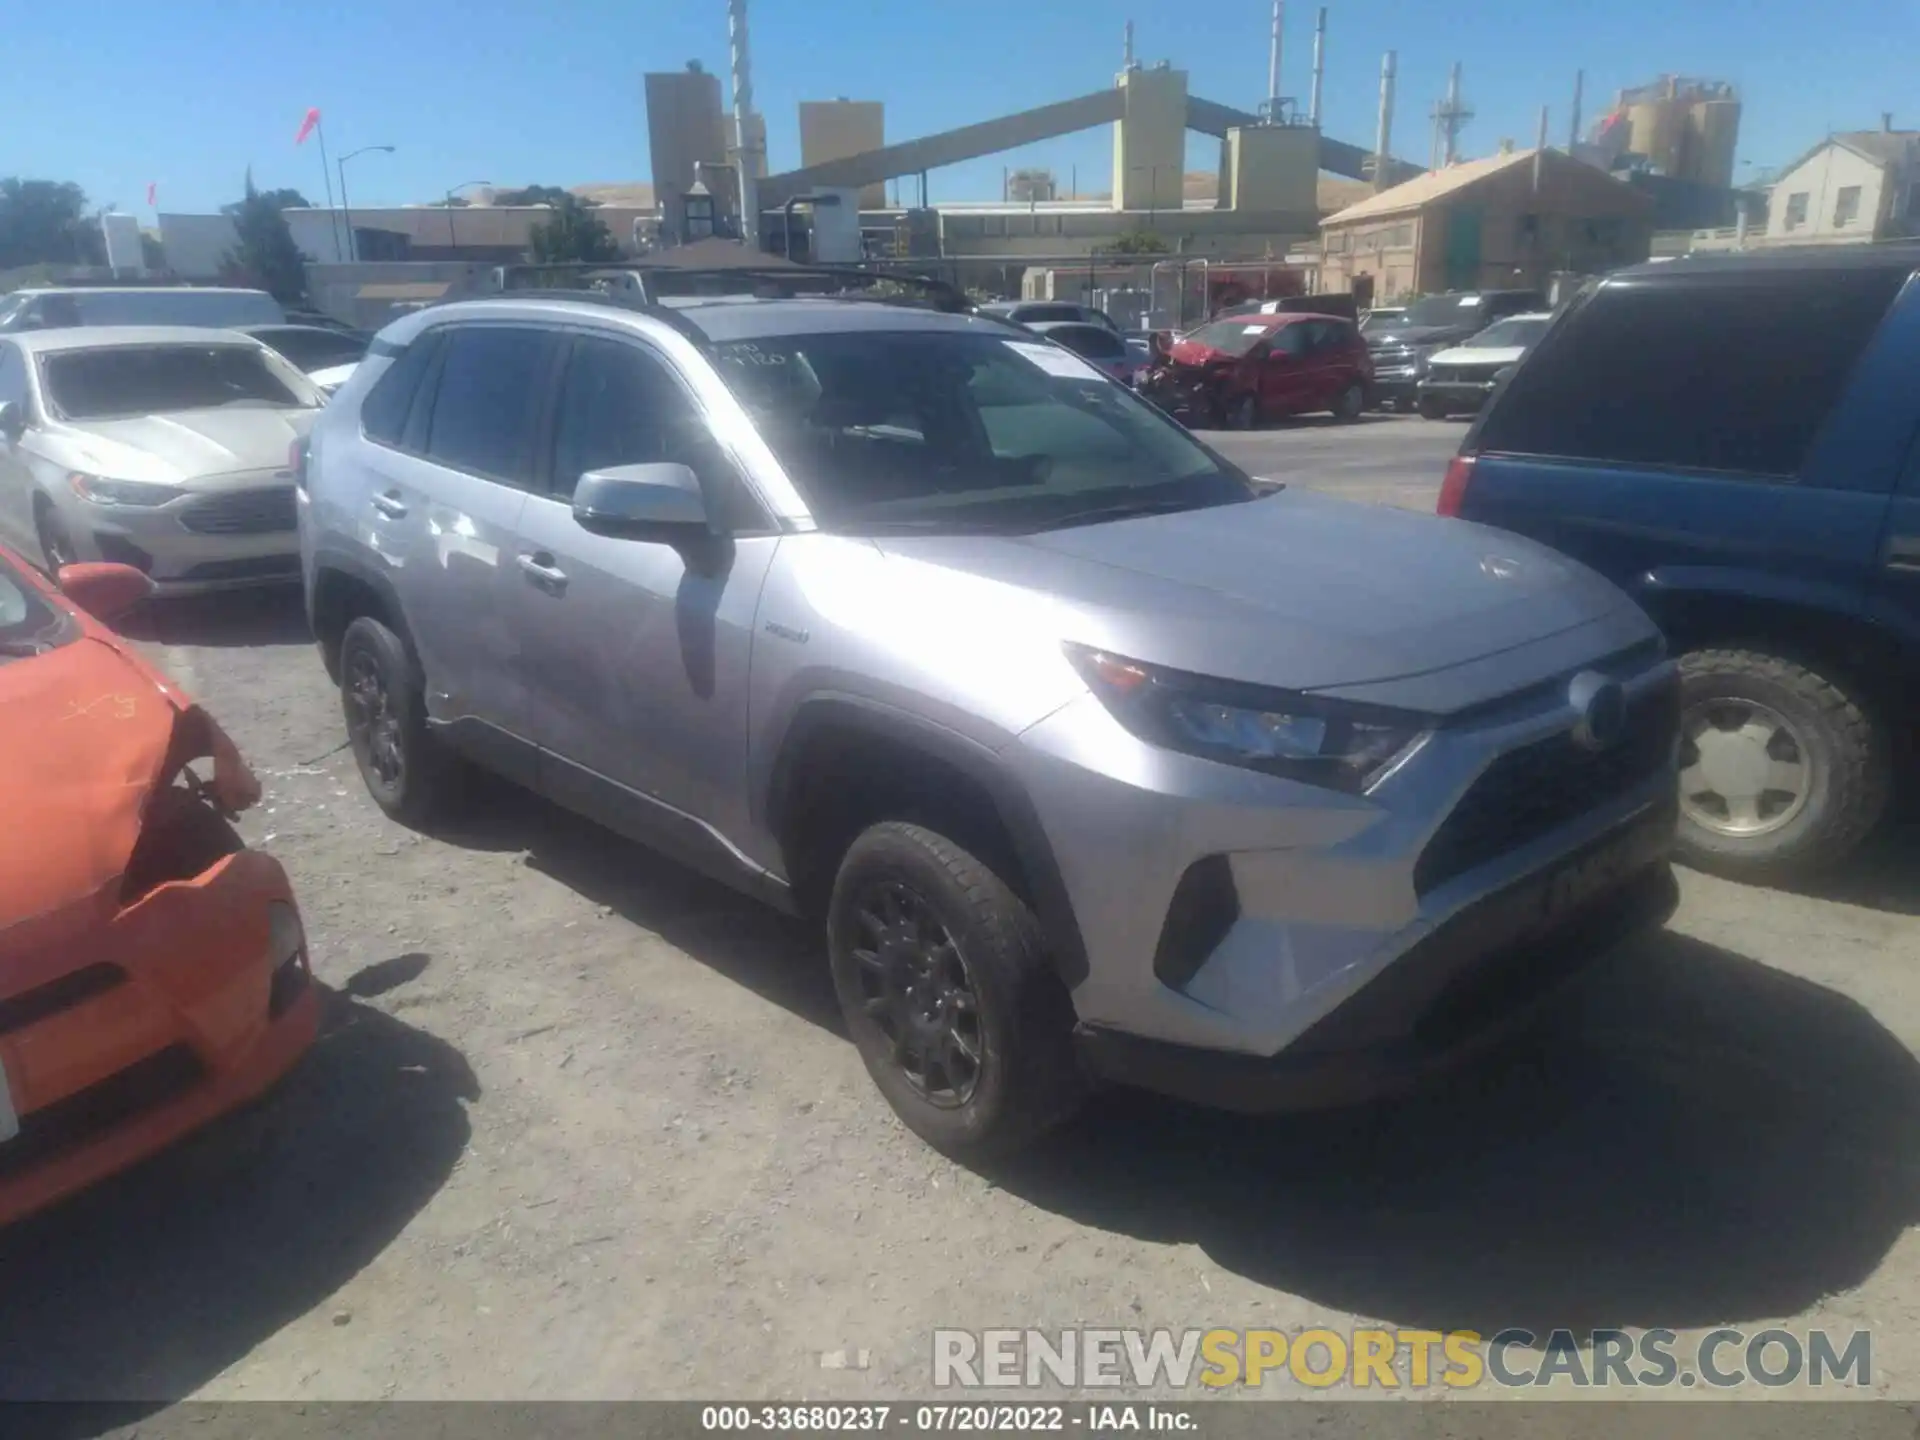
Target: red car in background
point(1241, 370)
point(153, 969)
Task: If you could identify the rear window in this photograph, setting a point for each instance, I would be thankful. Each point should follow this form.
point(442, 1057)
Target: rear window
point(155, 379)
point(1090, 340)
point(1731, 376)
point(1039, 314)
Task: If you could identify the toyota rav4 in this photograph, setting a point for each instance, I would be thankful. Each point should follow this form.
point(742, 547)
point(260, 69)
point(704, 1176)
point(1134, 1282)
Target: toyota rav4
point(1093, 757)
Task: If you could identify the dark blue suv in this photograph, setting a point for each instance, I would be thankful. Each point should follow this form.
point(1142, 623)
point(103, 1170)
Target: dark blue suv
point(1733, 440)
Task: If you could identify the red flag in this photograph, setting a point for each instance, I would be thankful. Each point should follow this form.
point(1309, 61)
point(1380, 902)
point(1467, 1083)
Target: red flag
point(306, 126)
point(150, 193)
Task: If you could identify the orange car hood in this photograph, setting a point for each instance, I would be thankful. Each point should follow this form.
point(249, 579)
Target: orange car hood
point(86, 731)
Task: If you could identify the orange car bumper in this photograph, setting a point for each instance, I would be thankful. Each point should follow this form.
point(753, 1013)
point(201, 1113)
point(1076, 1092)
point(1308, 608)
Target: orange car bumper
point(188, 1007)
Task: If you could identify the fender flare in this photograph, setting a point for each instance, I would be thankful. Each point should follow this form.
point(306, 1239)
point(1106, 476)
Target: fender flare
point(1014, 807)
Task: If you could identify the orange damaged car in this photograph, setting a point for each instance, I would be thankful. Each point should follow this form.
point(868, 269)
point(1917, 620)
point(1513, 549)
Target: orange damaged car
point(153, 970)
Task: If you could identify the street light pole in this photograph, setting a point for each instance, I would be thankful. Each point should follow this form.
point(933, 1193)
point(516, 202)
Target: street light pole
point(452, 242)
point(346, 209)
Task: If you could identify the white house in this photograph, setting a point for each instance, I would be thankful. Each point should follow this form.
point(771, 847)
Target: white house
point(1858, 185)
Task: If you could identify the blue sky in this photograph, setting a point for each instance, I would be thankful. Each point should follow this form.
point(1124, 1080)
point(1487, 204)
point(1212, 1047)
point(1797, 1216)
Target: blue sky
point(188, 94)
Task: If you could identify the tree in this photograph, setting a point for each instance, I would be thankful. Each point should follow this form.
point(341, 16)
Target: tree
point(1138, 242)
point(573, 232)
point(538, 195)
point(266, 255)
point(278, 199)
point(41, 222)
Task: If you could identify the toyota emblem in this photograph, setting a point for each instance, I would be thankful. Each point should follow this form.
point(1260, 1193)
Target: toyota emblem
point(1600, 710)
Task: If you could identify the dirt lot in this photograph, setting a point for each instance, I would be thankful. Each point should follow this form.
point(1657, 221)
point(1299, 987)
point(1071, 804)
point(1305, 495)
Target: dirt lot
point(583, 1125)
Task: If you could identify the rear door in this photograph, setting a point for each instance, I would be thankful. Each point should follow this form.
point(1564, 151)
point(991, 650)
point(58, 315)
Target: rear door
point(1696, 434)
point(444, 507)
point(632, 653)
point(1896, 600)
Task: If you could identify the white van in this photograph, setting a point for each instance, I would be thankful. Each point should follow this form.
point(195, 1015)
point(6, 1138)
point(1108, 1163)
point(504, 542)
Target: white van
point(207, 307)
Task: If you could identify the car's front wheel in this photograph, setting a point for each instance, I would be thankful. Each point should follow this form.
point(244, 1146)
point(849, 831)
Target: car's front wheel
point(948, 993)
point(1431, 407)
point(1348, 404)
point(1783, 770)
point(1244, 413)
point(404, 768)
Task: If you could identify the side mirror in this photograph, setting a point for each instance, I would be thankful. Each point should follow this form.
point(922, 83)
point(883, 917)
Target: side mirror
point(13, 419)
point(105, 591)
point(661, 500)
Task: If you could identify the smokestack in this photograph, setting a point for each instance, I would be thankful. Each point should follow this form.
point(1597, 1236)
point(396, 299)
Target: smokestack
point(1573, 125)
point(1386, 122)
point(1319, 63)
point(1540, 151)
point(1126, 55)
point(1273, 63)
point(1886, 121)
point(1453, 116)
point(742, 108)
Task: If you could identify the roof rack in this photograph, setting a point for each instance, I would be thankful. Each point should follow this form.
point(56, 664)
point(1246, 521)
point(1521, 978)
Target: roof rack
point(652, 281)
point(618, 299)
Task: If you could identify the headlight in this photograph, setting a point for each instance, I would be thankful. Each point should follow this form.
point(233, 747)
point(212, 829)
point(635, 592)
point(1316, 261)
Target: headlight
point(139, 493)
point(285, 937)
point(1330, 743)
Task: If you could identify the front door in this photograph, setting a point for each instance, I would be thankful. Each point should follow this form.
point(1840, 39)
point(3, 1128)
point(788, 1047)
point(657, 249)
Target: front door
point(1286, 382)
point(633, 653)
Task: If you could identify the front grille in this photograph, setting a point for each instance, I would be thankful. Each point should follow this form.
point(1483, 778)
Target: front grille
point(1461, 374)
point(75, 987)
point(81, 1117)
point(1527, 793)
point(243, 512)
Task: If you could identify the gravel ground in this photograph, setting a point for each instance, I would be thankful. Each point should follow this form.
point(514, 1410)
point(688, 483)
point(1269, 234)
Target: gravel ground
point(583, 1125)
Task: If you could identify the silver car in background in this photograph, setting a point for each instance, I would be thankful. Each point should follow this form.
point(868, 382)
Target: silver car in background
point(164, 448)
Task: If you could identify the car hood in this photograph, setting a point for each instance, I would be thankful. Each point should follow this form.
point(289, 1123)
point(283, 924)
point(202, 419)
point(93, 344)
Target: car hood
point(1306, 592)
point(87, 732)
point(185, 445)
point(1478, 355)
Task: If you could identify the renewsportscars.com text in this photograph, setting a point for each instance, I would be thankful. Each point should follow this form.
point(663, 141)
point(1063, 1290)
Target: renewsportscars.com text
point(1362, 1359)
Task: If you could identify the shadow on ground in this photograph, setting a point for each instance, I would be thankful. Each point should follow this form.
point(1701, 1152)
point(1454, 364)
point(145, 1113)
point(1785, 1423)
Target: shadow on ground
point(270, 615)
point(1884, 875)
point(750, 944)
point(149, 1285)
point(1694, 1138)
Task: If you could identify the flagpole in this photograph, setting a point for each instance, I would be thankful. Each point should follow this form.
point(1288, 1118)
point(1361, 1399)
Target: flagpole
point(326, 177)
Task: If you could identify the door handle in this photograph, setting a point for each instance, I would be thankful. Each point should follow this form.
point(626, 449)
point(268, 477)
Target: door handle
point(539, 570)
point(391, 506)
point(1903, 552)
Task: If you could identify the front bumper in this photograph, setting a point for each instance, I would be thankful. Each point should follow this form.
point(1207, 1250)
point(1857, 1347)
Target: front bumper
point(202, 542)
point(1231, 912)
point(1458, 394)
point(185, 1015)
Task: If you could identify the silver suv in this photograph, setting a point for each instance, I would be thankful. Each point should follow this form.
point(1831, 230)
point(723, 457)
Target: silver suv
point(1095, 758)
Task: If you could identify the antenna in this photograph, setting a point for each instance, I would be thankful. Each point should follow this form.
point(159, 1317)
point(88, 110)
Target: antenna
point(1450, 117)
point(1126, 55)
point(1273, 61)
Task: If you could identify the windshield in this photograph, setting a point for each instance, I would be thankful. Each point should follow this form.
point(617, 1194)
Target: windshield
point(154, 379)
point(1383, 320)
point(1508, 334)
point(941, 429)
point(1230, 337)
point(10, 307)
point(1443, 310)
point(313, 349)
point(26, 621)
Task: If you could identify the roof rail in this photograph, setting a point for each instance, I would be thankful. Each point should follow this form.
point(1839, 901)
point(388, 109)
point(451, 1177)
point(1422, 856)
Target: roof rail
point(616, 299)
point(651, 281)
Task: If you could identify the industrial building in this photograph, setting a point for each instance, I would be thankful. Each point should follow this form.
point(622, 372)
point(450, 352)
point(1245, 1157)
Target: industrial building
point(1682, 128)
point(836, 129)
point(1512, 219)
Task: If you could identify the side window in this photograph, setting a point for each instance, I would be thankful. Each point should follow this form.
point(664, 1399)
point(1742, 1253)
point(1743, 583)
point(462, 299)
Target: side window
point(618, 405)
point(487, 400)
point(383, 414)
point(1290, 339)
point(1721, 377)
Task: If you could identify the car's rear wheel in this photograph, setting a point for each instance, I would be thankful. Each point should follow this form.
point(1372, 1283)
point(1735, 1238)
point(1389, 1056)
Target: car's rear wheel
point(405, 769)
point(1431, 407)
point(1243, 413)
point(1783, 770)
point(1348, 404)
point(56, 545)
point(944, 980)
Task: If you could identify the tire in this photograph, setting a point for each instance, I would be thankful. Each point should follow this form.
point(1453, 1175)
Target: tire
point(1811, 760)
point(1244, 413)
point(910, 908)
point(56, 546)
point(405, 769)
point(1431, 408)
point(1348, 404)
